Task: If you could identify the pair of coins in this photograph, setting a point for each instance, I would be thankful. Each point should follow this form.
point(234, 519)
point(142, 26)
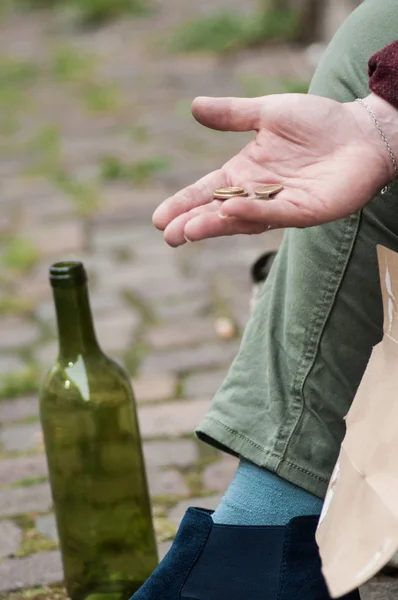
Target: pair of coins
point(229, 192)
point(264, 192)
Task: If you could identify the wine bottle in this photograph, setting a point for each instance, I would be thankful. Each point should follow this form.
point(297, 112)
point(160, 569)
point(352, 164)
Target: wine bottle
point(94, 455)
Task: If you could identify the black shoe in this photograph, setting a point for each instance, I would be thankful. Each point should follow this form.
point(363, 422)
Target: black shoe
point(208, 561)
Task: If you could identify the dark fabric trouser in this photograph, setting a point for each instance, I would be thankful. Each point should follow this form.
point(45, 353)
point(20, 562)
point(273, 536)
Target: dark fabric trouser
point(305, 349)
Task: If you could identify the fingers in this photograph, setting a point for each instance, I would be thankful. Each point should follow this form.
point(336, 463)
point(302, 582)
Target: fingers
point(210, 226)
point(195, 195)
point(174, 234)
point(204, 222)
point(229, 114)
point(279, 212)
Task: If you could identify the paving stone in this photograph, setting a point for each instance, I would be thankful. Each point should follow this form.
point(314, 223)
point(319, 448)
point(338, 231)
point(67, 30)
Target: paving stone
point(188, 306)
point(10, 538)
point(47, 354)
point(161, 285)
point(201, 357)
point(203, 384)
point(45, 209)
point(19, 408)
point(121, 276)
point(15, 190)
point(21, 437)
point(115, 330)
point(23, 467)
point(35, 498)
point(138, 236)
point(17, 333)
point(121, 203)
point(34, 285)
point(217, 477)
point(34, 570)
point(182, 333)
point(155, 253)
point(113, 237)
point(45, 310)
point(153, 388)
point(240, 310)
point(10, 364)
point(149, 282)
point(166, 483)
point(208, 502)
point(174, 419)
point(106, 302)
point(380, 588)
point(47, 526)
point(57, 238)
point(163, 549)
point(179, 453)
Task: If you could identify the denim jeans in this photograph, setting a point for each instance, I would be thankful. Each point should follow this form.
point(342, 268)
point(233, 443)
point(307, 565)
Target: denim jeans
point(306, 346)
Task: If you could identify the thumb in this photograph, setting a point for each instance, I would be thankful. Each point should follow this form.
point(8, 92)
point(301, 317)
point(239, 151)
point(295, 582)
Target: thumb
point(229, 114)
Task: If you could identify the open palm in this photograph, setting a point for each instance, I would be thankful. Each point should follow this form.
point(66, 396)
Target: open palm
point(327, 155)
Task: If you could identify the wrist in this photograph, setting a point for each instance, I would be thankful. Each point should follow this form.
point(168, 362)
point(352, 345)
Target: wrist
point(387, 120)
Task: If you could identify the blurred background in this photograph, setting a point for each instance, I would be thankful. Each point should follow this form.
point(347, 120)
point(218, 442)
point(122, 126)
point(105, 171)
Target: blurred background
point(95, 131)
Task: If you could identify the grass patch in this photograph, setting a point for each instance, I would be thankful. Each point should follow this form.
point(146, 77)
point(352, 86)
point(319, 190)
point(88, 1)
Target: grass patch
point(253, 86)
point(141, 306)
point(96, 12)
point(134, 356)
point(19, 255)
point(100, 98)
point(165, 529)
point(138, 173)
point(140, 133)
point(45, 147)
point(123, 255)
point(13, 385)
point(55, 592)
point(32, 541)
point(84, 195)
point(227, 31)
point(15, 78)
point(195, 146)
point(89, 12)
point(15, 305)
point(180, 388)
point(70, 65)
point(16, 72)
point(29, 482)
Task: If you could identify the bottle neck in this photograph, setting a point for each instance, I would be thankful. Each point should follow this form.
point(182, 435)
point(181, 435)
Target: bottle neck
point(76, 333)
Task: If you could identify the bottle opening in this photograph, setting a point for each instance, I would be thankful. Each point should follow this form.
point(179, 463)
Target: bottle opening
point(67, 274)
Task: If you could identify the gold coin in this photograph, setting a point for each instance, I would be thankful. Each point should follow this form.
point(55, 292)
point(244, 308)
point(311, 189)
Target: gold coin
point(229, 192)
point(266, 191)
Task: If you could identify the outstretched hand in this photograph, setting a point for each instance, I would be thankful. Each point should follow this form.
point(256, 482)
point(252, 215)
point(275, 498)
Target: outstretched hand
point(328, 156)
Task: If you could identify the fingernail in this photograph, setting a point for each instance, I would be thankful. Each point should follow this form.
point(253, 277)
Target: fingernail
point(187, 239)
point(221, 216)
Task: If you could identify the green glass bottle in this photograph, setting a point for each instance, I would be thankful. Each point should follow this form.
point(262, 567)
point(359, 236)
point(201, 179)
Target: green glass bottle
point(94, 456)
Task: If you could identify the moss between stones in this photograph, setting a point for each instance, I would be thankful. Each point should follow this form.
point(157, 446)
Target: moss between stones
point(55, 592)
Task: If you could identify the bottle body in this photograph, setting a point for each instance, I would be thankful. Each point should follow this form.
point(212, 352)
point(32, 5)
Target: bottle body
point(97, 477)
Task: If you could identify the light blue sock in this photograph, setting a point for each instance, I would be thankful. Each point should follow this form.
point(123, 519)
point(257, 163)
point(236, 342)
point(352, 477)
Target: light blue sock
point(258, 497)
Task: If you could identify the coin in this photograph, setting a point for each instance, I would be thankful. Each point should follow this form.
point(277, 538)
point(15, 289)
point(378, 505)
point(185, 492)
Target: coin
point(266, 191)
point(228, 192)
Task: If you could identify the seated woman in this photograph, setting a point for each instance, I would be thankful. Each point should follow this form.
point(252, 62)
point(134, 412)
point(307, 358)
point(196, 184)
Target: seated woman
point(281, 408)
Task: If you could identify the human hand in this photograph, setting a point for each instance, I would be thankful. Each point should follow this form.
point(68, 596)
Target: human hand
point(328, 156)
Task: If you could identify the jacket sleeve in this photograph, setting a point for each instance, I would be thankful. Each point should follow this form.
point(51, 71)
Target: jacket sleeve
point(383, 73)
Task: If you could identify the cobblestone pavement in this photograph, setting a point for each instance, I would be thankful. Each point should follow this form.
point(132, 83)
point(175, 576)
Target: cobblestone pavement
point(97, 132)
